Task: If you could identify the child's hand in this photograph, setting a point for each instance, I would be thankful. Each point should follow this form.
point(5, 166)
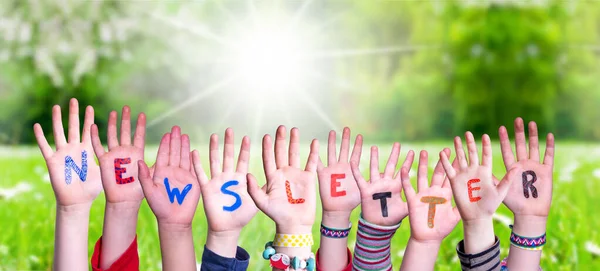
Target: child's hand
point(227, 204)
point(431, 214)
point(337, 186)
point(531, 190)
point(289, 197)
point(381, 200)
point(74, 175)
point(172, 191)
point(118, 165)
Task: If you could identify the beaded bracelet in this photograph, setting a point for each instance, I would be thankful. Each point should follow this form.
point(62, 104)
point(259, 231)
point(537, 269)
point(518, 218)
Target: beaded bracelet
point(535, 243)
point(335, 233)
point(504, 265)
point(282, 261)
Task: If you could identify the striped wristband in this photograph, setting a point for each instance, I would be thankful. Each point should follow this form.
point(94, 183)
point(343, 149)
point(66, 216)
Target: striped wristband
point(527, 243)
point(335, 233)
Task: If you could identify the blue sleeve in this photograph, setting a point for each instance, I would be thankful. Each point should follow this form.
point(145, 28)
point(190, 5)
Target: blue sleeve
point(213, 262)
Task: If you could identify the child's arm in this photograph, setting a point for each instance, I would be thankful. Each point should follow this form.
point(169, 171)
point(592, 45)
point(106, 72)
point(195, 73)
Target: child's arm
point(339, 196)
point(289, 197)
point(227, 204)
point(530, 195)
point(172, 192)
point(121, 184)
point(431, 214)
point(76, 183)
point(477, 198)
point(382, 211)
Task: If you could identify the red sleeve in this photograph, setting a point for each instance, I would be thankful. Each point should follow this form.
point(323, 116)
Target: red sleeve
point(348, 264)
point(129, 261)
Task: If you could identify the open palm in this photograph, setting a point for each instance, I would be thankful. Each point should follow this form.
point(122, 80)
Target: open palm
point(172, 191)
point(74, 175)
point(227, 204)
point(289, 197)
point(524, 196)
point(430, 211)
point(382, 202)
point(122, 186)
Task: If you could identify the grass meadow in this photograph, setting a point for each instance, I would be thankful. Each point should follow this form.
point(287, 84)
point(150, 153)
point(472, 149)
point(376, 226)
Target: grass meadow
point(27, 214)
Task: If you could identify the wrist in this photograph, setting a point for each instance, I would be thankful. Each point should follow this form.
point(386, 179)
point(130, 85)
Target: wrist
point(74, 210)
point(479, 235)
point(425, 243)
point(293, 229)
point(336, 219)
point(175, 228)
point(126, 209)
point(223, 243)
point(529, 225)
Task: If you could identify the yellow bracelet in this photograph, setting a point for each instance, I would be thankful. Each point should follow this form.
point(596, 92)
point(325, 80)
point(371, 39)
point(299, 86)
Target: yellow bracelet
point(293, 240)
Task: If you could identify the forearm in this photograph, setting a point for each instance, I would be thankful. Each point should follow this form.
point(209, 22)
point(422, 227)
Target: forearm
point(223, 243)
point(521, 259)
point(120, 223)
point(333, 252)
point(71, 237)
point(300, 252)
point(177, 247)
point(479, 235)
point(420, 255)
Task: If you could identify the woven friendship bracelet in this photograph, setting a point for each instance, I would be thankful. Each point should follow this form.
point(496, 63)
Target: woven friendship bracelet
point(535, 243)
point(335, 233)
point(293, 240)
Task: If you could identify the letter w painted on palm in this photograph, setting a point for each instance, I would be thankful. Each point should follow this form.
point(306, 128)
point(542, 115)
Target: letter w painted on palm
point(174, 193)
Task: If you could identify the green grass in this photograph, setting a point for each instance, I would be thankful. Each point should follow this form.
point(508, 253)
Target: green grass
point(27, 220)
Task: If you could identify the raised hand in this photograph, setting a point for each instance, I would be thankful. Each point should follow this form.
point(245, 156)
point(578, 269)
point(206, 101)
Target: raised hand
point(382, 203)
point(74, 175)
point(172, 191)
point(119, 165)
point(531, 189)
point(430, 211)
point(227, 204)
point(75, 179)
point(475, 192)
point(289, 197)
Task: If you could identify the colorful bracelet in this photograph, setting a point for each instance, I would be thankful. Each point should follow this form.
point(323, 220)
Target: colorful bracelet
point(535, 243)
point(335, 233)
point(293, 240)
point(282, 261)
point(504, 265)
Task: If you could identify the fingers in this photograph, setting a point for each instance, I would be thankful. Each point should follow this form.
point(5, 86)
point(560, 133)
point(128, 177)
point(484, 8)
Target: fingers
point(506, 149)
point(269, 164)
point(74, 121)
point(345, 148)
point(313, 157)
point(96, 144)
point(145, 177)
point(88, 120)
point(357, 150)
point(185, 161)
point(549, 155)
point(472, 148)
point(259, 196)
point(126, 126)
point(534, 145)
point(390, 167)
point(409, 191)
point(294, 151)
point(520, 139)
point(460, 153)
point(200, 174)
point(175, 147)
point(331, 149)
point(450, 172)
point(57, 128)
point(139, 138)
point(42, 142)
point(213, 154)
point(281, 154)
point(486, 145)
point(111, 132)
point(454, 166)
point(162, 158)
point(422, 171)
point(408, 161)
point(437, 179)
point(374, 166)
point(360, 180)
point(244, 156)
point(228, 151)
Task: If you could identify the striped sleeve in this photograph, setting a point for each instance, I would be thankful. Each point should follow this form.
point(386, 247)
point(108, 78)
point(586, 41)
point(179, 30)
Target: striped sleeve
point(372, 251)
point(483, 261)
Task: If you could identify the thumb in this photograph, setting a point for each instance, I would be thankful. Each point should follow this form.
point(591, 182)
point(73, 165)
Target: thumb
point(258, 195)
point(503, 186)
point(144, 176)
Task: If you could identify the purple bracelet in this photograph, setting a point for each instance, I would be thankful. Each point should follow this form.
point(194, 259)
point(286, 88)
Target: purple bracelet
point(535, 243)
point(335, 233)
